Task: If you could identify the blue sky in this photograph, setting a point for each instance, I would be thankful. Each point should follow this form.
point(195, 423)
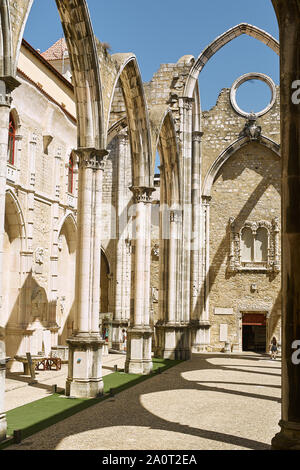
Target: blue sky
point(161, 31)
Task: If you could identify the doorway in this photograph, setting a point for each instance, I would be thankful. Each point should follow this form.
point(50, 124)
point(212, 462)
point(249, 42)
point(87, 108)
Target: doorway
point(254, 332)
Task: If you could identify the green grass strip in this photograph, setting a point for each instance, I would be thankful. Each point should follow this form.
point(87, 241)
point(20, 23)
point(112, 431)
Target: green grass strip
point(40, 414)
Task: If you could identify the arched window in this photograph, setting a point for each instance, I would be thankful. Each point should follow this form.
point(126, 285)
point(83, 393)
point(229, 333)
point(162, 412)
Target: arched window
point(11, 140)
point(255, 246)
point(246, 245)
point(71, 175)
point(261, 245)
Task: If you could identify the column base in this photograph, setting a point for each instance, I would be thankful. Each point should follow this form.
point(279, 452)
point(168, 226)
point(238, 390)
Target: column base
point(139, 357)
point(200, 335)
point(288, 438)
point(117, 335)
point(174, 341)
point(85, 366)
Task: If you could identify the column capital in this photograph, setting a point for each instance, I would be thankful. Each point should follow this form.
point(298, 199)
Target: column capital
point(206, 200)
point(197, 136)
point(142, 193)
point(7, 85)
point(187, 102)
point(91, 157)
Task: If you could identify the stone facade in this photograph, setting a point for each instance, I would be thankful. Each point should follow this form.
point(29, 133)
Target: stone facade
point(219, 198)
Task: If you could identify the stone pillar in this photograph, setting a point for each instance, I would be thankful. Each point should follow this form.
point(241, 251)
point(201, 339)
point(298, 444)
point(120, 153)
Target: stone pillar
point(7, 85)
point(85, 346)
point(54, 249)
point(186, 116)
point(289, 25)
point(119, 319)
point(196, 216)
point(172, 326)
point(138, 360)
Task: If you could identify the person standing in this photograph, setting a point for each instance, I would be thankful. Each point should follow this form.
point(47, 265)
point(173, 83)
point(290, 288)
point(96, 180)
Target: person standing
point(273, 348)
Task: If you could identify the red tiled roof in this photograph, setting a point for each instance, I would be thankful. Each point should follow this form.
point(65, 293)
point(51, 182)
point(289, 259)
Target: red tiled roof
point(55, 52)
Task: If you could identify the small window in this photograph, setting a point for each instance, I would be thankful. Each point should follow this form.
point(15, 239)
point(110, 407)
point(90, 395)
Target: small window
point(11, 141)
point(71, 175)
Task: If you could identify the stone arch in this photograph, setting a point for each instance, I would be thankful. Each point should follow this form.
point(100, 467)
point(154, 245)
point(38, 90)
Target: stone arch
point(227, 153)
point(219, 42)
point(137, 117)
point(15, 217)
point(70, 222)
point(116, 128)
point(16, 117)
point(82, 50)
point(6, 65)
point(164, 137)
point(66, 263)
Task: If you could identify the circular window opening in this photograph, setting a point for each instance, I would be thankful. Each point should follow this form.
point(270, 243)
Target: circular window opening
point(254, 77)
point(253, 95)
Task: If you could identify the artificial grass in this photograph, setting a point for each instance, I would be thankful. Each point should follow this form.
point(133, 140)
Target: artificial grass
point(40, 414)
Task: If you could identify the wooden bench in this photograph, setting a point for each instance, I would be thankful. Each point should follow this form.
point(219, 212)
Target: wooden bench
point(49, 363)
point(26, 364)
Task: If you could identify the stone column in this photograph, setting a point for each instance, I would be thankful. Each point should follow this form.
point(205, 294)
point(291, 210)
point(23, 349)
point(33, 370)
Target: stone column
point(289, 25)
point(199, 324)
point(119, 308)
point(85, 346)
point(138, 360)
point(172, 327)
point(186, 116)
point(7, 85)
point(202, 337)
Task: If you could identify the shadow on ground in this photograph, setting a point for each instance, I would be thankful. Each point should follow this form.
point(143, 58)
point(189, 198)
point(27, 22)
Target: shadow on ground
point(108, 414)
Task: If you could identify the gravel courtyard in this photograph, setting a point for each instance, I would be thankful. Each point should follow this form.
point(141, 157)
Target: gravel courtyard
point(211, 402)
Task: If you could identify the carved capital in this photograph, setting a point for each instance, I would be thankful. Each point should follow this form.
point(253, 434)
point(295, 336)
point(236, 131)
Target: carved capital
point(206, 200)
point(197, 136)
point(7, 85)
point(187, 103)
point(92, 158)
point(142, 193)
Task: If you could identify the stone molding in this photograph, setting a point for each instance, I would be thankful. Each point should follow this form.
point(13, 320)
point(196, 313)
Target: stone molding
point(272, 263)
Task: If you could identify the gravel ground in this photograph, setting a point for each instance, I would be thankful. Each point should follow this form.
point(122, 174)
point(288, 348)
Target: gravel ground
point(213, 401)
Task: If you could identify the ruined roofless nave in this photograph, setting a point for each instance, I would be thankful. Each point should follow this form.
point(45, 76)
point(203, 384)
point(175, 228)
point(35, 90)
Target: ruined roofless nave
point(98, 251)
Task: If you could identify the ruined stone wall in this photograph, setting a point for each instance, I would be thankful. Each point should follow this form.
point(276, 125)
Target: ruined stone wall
point(221, 126)
point(246, 190)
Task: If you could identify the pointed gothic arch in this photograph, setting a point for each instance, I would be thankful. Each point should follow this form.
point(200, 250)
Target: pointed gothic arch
point(219, 42)
point(130, 79)
point(227, 153)
point(80, 40)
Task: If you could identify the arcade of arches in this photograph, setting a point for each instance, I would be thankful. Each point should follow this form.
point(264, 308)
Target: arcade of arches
point(92, 240)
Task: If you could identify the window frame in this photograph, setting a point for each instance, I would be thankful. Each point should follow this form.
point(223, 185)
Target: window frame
point(11, 145)
point(237, 264)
